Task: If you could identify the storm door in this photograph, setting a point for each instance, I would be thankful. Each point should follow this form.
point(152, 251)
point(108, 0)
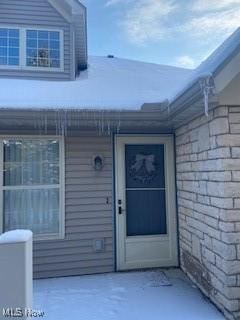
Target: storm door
point(145, 202)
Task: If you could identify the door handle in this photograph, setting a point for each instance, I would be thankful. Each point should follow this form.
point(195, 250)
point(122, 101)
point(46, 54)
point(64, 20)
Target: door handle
point(120, 210)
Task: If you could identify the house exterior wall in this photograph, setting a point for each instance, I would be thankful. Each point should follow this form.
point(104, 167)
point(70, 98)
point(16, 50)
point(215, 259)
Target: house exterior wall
point(208, 182)
point(38, 13)
point(88, 214)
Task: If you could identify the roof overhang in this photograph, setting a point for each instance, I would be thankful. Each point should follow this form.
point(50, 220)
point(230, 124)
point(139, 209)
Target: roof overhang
point(68, 122)
point(206, 91)
point(189, 105)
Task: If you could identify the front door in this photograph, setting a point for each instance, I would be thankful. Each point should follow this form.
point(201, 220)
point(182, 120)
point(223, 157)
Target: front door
point(146, 233)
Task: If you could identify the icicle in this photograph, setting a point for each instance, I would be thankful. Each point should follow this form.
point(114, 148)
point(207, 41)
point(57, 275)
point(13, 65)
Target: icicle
point(108, 128)
point(56, 123)
point(65, 123)
point(39, 125)
point(168, 106)
point(45, 124)
point(118, 124)
point(207, 87)
point(102, 123)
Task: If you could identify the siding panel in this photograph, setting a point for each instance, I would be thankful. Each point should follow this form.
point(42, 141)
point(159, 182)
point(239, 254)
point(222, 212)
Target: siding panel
point(88, 214)
point(37, 13)
point(73, 272)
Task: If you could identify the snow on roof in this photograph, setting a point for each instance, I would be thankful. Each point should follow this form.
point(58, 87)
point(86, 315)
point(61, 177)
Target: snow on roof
point(108, 83)
point(113, 84)
point(15, 236)
point(209, 66)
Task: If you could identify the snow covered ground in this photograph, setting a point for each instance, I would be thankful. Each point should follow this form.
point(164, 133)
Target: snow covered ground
point(146, 295)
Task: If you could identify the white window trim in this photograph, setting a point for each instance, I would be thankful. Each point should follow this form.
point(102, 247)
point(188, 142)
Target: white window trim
point(22, 50)
point(61, 234)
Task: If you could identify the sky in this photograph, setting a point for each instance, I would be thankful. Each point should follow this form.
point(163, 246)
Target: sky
point(181, 32)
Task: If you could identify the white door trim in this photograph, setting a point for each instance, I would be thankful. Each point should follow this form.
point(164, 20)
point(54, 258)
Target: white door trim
point(171, 237)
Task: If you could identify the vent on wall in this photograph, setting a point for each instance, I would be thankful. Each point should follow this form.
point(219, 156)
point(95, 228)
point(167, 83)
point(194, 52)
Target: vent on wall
point(99, 245)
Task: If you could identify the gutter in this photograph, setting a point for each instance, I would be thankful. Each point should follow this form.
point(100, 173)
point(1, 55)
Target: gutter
point(201, 87)
point(194, 99)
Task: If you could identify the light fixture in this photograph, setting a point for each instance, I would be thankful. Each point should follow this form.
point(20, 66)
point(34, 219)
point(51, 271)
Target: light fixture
point(98, 162)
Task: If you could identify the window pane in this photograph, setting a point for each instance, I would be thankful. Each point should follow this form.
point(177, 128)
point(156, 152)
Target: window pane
point(32, 34)
point(46, 48)
point(31, 162)
point(145, 166)
point(42, 62)
point(9, 46)
point(55, 54)
point(13, 61)
point(146, 212)
point(32, 53)
point(43, 34)
point(3, 51)
point(3, 32)
point(55, 45)
point(145, 189)
point(31, 43)
point(13, 33)
point(32, 62)
point(34, 209)
point(3, 42)
point(13, 42)
point(55, 63)
point(3, 60)
point(43, 53)
point(13, 52)
point(54, 35)
point(43, 44)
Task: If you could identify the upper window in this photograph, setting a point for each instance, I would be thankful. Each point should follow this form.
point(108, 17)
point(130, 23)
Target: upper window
point(43, 49)
point(36, 49)
point(32, 186)
point(9, 47)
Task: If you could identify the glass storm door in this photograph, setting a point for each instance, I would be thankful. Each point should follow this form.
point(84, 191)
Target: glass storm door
point(145, 202)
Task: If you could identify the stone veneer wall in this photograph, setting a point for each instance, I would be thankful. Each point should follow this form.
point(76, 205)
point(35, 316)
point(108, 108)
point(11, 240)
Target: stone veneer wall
point(208, 181)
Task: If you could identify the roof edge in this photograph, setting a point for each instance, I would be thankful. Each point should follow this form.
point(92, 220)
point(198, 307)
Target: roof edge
point(63, 8)
point(67, 8)
point(212, 66)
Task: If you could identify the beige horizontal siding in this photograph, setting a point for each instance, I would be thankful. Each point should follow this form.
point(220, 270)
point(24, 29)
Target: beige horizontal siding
point(88, 210)
point(73, 271)
point(62, 244)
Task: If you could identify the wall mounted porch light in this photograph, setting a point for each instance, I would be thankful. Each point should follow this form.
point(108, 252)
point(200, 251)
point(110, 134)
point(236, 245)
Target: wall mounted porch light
point(98, 162)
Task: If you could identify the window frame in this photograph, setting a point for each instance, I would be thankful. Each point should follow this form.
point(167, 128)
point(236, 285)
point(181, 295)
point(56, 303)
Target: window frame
point(23, 49)
point(61, 234)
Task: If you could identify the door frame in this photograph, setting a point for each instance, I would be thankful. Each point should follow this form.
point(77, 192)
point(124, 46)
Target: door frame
point(167, 140)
